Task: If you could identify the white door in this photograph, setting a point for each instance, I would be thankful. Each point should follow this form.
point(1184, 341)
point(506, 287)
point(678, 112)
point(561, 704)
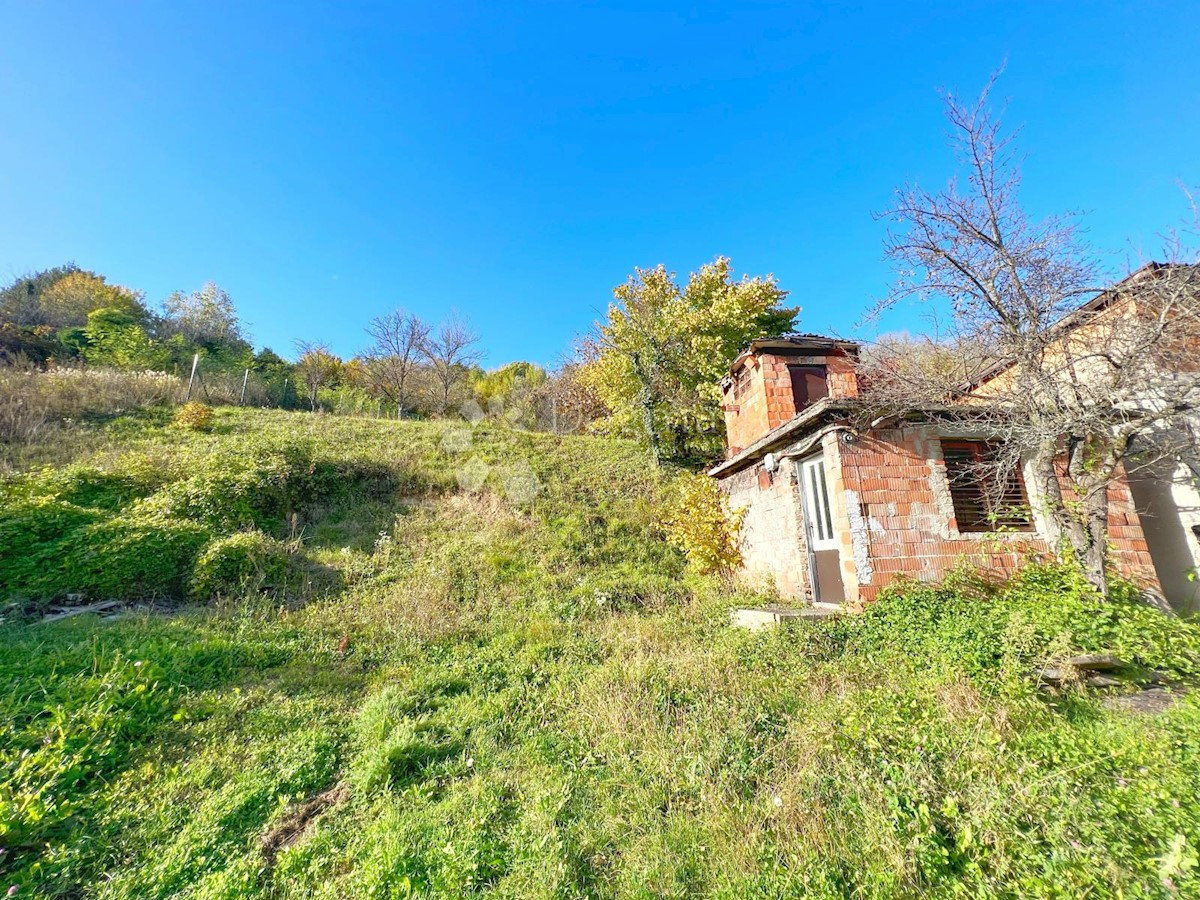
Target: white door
point(816, 504)
point(825, 558)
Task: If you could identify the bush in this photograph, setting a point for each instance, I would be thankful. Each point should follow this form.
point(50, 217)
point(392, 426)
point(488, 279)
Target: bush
point(31, 533)
point(194, 416)
point(127, 557)
point(134, 528)
point(704, 527)
point(243, 563)
point(1044, 611)
point(55, 548)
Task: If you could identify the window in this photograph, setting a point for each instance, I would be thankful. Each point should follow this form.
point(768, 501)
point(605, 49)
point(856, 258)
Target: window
point(816, 498)
point(808, 385)
point(980, 503)
point(741, 382)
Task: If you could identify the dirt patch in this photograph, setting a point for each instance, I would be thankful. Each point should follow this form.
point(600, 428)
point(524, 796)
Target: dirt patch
point(297, 820)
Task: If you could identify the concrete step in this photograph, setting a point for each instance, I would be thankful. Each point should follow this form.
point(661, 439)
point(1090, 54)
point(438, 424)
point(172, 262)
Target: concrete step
point(753, 618)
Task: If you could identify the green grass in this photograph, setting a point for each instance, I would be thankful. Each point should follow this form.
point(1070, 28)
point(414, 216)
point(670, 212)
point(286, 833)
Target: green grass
point(458, 693)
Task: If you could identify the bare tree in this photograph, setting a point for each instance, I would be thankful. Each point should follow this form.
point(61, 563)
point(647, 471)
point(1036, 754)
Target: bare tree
point(1067, 371)
point(567, 406)
point(450, 352)
point(316, 367)
point(400, 342)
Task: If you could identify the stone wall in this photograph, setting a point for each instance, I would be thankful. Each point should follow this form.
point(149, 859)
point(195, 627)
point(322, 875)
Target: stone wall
point(774, 549)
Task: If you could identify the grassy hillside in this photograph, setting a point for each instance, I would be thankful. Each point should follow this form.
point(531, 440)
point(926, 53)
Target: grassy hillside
point(430, 660)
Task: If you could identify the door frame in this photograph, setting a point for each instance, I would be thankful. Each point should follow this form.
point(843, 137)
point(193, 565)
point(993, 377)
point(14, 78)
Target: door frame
point(817, 511)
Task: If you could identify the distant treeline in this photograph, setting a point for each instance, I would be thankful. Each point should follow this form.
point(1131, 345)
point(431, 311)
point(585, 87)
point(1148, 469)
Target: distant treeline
point(68, 316)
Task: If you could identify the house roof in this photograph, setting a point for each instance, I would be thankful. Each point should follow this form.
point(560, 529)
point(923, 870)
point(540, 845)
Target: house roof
point(794, 343)
point(1076, 317)
point(780, 434)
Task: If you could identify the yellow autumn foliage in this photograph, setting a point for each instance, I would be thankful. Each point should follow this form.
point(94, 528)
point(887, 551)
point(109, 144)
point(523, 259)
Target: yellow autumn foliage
point(703, 525)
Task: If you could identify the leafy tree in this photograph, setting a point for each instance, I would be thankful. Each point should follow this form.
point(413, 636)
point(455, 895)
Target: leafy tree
point(63, 296)
point(275, 371)
point(205, 318)
point(511, 391)
point(115, 337)
point(317, 367)
point(656, 361)
point(271, 365)
point(20, 302)
point(69, 300)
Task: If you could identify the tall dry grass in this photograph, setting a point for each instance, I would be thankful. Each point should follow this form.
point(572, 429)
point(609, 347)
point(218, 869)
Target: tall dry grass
point(35, 402)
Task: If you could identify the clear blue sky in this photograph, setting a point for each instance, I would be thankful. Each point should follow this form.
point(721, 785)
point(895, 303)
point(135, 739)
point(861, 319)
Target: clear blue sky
point(324, 163)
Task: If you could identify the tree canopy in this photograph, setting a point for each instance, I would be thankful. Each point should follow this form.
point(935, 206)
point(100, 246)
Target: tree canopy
point(656, 360)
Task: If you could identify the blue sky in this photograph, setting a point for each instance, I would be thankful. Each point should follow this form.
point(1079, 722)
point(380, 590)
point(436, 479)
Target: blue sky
point(327, 162)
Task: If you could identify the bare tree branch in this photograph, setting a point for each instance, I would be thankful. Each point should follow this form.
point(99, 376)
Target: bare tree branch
point(1061, 371)
point(450, 352)
point(400, 339)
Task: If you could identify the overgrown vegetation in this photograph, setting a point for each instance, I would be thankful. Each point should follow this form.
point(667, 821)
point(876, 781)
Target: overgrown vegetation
point(35, 403)
point(66, 322)
point(655, 362)
point(704, 526)
point(419, 683)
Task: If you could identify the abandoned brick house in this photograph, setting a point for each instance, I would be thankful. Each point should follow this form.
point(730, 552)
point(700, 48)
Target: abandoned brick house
point(834, 513)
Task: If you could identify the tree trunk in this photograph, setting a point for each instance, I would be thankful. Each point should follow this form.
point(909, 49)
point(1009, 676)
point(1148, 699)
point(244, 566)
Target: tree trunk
point(651, 429)
point(1089, 531)
point(1082, 524)
point(1095, 563)
point(646, 399)
point(680, 441)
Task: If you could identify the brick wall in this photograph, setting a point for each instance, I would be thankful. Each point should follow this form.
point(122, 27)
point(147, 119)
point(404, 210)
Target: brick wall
point(766, 401)
point(899, 516)
point(773, 547)
point(745, 411)
point(893, 515)
point(843, 377)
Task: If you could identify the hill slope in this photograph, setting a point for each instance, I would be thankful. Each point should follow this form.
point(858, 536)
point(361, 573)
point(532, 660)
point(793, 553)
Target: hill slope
point(464, 660)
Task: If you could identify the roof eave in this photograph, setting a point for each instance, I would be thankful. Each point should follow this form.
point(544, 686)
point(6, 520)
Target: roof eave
point(779, 435)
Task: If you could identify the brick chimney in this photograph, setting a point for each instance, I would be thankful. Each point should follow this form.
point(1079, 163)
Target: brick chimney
point(774, 380)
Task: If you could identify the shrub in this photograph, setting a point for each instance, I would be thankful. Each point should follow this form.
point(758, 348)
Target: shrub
point(194, 416)
point(31, 533)
point(247, 562)
point(253, 487)
point(58, 549)
point(127, 557)
point(702, 524)
point(1044, 611)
